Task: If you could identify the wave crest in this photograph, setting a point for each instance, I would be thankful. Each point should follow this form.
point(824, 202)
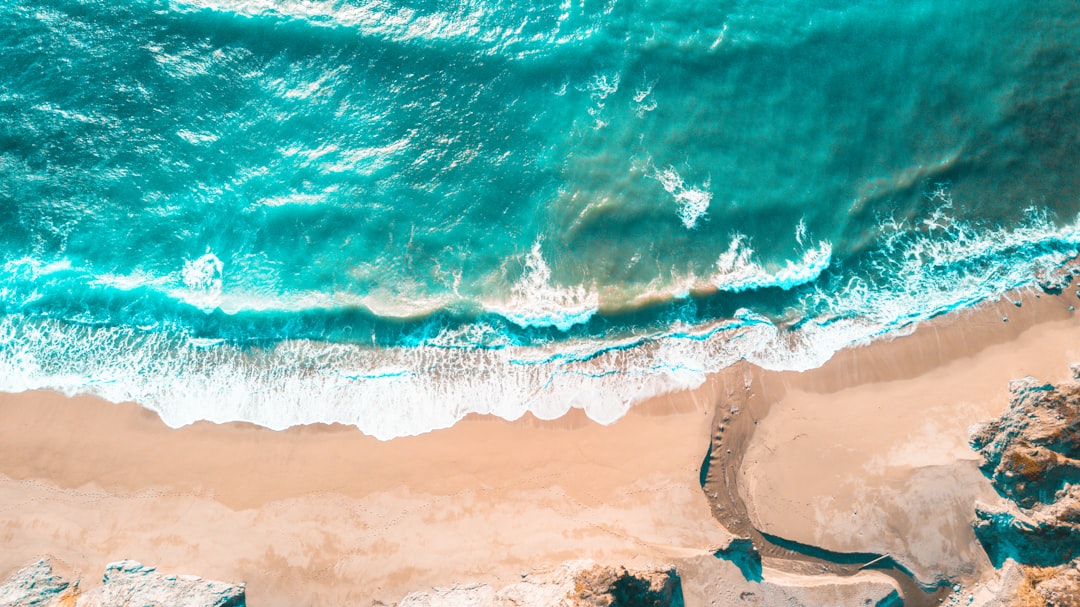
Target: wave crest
point(922, 270)
point(202, 280)
point(535, 302)
point(736, 271)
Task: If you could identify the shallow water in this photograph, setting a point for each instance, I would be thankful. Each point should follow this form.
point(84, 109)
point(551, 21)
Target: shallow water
point(392, 214)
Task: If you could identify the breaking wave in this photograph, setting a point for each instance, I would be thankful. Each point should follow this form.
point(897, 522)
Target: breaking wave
point(393, 214)
point(430, 378)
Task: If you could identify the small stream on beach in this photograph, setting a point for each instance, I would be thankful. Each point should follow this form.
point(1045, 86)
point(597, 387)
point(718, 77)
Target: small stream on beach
point(732, 430)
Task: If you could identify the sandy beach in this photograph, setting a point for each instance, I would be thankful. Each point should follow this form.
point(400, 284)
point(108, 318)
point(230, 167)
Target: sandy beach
point(327, 515)
point(866, 454)
point(870, 452)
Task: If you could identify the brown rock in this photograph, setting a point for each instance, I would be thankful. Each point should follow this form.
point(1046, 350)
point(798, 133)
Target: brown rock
point(1031, 456)
point(1049, 587)
point(602, 586)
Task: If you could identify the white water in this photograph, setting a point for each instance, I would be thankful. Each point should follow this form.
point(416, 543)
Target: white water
point(391, 392)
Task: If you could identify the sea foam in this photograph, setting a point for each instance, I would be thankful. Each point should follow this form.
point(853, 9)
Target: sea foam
point(693, 202)
point(406, 390)
point(535, 302)
point(202, 281)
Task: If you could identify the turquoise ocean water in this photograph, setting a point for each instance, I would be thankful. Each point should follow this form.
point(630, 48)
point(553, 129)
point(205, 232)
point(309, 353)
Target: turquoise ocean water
point(393, 213)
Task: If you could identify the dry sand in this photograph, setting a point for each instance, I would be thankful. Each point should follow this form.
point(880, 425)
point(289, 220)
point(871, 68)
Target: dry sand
point(325, 515)
point(866, 454)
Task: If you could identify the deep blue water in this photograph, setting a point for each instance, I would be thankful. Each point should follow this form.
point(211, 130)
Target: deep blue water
point(391, 214)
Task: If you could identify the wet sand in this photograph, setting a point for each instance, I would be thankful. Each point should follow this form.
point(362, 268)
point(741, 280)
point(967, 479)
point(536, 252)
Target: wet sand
point(869, 453)
point(866, 454)
point(326, 515)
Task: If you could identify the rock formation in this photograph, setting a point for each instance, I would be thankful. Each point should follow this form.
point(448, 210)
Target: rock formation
point(34, 586)
point(1056, 586)
point(1032, 458)
point(125, 584)
point(572, 584)
point(601, 586)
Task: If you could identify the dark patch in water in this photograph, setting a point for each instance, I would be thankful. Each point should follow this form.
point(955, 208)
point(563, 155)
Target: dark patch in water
point(742, 553)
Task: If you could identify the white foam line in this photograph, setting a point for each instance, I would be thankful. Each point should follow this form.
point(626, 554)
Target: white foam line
point(402, 391)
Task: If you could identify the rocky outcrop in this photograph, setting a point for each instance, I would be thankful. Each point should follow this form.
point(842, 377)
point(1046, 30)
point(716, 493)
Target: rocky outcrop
point(34, 586)
point(572, 584)
point(601, 586)
point(1056, 586)
point(130, 584)
point(1044, 535)
point(125, 584)
point(1032, 457)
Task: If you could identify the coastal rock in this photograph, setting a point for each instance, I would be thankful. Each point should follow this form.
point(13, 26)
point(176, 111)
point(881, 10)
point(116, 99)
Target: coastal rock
point(1055, 280)
point(1032, 457)
point(572, 584)
point(130, 584)
point(1044, 535)
point(125, 584)
point(33, 586)
point(1041, 586)
point(601, 586)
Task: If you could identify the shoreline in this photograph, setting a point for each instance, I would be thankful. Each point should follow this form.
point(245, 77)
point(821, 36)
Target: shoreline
point(305, 382)
point(789, 540)
point(324, 512)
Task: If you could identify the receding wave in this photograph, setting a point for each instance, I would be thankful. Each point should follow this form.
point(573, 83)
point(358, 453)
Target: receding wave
point(448, 370)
